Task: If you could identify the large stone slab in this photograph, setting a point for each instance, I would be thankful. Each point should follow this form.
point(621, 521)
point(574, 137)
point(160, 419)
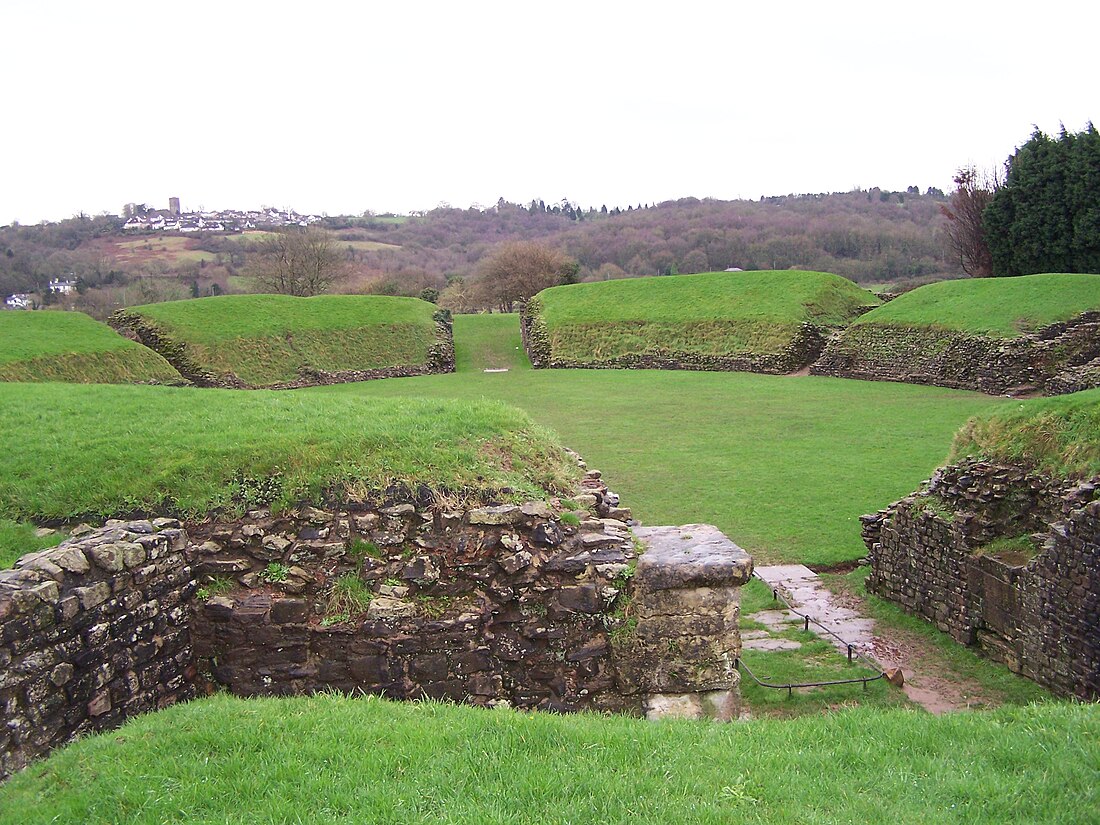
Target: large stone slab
point(692, 555)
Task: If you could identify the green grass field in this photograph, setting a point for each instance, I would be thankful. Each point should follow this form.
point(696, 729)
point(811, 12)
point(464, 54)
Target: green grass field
point(997, 307)
point(170, 249)
point(784, 465)
point(715, 313)
point(333, 759)
point(267, 339)
point(104, 450)
point(70, 346)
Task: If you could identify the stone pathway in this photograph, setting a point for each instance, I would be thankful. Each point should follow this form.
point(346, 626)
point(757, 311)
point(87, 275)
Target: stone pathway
point(804, 589)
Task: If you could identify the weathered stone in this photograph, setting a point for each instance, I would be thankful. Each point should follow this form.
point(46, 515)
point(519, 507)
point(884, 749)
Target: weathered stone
point(107, 556)
point(695, 555)
point(92, 595)
point(398, 511)
point(384, 608)
point(549, 534)
point(516, 562)
point(536, 509)
point(219, 607)
point(163, 523)
point(100, 704)
point(222, 567)
point(275, 543)
point(503, 514)
point(61, 674)
point(585, 501)
point(69, 557)
point(284, 611)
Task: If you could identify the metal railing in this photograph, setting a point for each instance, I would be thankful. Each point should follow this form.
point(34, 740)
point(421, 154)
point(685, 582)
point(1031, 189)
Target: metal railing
point(852, 650)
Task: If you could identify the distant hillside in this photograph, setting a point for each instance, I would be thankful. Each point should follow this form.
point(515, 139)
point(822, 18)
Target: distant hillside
point(869, 236)
point(271, 340)
point(771, 321)
point(70, 346)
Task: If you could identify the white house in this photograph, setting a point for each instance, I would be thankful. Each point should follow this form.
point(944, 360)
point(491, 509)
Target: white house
point(19, 300)
point(63, 287)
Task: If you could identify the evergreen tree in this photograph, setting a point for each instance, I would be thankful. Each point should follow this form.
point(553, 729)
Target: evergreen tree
point(1046, 217)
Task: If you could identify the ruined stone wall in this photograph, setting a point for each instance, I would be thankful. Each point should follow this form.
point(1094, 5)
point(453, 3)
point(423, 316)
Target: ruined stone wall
point(935, 553)
point(92, 632)
point(535, 605)
point(1056, 359)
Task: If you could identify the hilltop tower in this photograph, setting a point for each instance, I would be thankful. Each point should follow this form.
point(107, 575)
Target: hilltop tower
point(173, 206)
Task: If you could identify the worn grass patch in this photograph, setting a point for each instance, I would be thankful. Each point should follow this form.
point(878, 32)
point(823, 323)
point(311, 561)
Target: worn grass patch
point(71, 346)
point(267, 339)
point(716, 313)
point(488, 342)
point(1059, 435)
point(327, 759)
point(103, 451)
point(995, 307)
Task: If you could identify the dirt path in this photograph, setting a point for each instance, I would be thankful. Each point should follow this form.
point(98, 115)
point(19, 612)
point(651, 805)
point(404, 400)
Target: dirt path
point(840, 614)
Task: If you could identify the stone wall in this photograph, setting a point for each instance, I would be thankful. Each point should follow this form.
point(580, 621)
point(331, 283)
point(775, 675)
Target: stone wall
point(542, 605)
point(440, 357)
point(92, 632)
point(1034, 602)
point(1055, 359)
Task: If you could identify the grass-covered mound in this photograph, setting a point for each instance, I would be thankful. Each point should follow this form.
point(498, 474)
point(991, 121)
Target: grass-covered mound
point(105, 450)
point(981, 333)
point(769, 321)
point(1056, 435)
point(280, 340)
point(70, 346)
point(327, 759)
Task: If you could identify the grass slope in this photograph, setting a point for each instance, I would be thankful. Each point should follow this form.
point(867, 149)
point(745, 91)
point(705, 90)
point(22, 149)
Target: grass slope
point(784, 465)
point(995, 307)
point(111, 450)
point(714, 313)
point(1060, 435)
point(328, 759)
point(266, 339)
point(70, 346)
point(18, 539)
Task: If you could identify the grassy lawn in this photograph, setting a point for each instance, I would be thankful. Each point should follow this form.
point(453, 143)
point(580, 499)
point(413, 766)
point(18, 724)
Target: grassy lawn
point(171, 249)
point(998, 307)
point(784, 465)
point(107, 450)
point(713, 313)
point(328, 759)
point(265, 339)
point(18, 539)
point(71, 346)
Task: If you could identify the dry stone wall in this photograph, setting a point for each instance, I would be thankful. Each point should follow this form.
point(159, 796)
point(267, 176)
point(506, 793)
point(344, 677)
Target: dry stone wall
point(1033, 603)
point(92, 632)
point(1059, 358)
point(542, 605)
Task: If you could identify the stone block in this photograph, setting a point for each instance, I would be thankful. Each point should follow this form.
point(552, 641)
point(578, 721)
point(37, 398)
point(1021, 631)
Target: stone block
point(694, 555)
point(285, 611)
point(93, 594)
point(502, 514)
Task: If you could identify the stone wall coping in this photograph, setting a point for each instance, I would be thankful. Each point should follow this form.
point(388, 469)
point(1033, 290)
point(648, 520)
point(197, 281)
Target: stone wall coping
point(690, 556)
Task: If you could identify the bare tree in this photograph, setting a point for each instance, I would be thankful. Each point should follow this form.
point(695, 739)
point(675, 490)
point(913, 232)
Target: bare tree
point(298, 262)
point(965, 229)
point(515, 271)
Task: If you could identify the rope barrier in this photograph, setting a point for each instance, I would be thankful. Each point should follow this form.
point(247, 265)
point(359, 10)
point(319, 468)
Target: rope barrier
point(851, 649)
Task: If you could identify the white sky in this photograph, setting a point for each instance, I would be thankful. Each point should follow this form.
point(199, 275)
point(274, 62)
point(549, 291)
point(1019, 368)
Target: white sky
point(337, 108)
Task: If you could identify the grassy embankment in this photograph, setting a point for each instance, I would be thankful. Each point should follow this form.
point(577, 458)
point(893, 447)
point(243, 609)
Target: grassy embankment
point(328, 759)
point(1058, 435)
point(70, 346)
point(716, 313)
point(104, 451)
point(993, 307)
point(267, 339)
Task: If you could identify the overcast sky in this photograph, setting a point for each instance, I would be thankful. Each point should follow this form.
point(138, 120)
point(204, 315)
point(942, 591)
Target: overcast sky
point(400, 106)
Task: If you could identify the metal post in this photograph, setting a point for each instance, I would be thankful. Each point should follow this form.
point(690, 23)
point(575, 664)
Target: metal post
point(807, 627)
point(849, 654)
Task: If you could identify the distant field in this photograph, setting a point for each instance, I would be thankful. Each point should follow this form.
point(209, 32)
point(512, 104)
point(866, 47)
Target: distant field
point(103, 451)
point(70, 346)
point(266, 339)
point(714, 314)
point(364, 246)
point(997, 307)
point(170, 249)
